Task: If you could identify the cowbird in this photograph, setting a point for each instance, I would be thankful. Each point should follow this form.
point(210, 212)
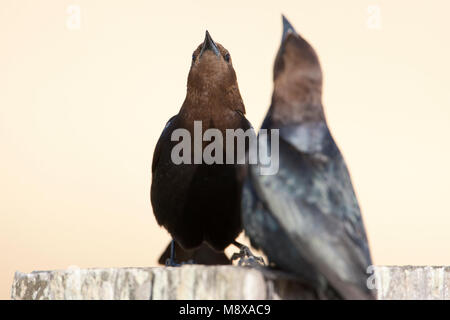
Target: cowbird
point(306, 217)
point(199, 202)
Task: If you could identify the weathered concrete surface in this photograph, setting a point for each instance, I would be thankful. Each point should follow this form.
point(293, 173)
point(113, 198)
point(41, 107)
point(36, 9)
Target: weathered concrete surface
point(186, 282)
point(413, 282)
point(218, 282)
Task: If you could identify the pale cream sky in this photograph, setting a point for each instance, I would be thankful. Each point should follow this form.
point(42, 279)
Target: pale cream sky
point(81, 111)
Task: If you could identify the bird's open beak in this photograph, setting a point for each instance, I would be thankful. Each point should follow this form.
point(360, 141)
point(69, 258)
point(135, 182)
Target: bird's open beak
point(287, 28)
point(209, 44)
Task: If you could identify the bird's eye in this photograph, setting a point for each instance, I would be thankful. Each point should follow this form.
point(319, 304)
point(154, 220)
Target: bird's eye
point(227, 57)
point(193, 57)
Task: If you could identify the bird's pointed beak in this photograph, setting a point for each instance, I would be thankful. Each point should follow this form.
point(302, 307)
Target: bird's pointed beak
point(209, 44)
point(287, 28)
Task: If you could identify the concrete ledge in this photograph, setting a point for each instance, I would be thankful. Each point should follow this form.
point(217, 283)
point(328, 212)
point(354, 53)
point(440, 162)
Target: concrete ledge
point(213, 282)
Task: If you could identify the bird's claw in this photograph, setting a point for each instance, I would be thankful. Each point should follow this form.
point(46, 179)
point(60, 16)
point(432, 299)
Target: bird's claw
point(247, 258)
point(173, 263)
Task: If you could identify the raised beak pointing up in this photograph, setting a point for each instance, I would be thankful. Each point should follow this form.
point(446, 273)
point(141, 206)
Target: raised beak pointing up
point(209, 44)
point(287, 28)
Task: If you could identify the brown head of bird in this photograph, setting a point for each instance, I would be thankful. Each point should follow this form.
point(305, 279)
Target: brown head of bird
point(297, 95)
point(211, 67)
point(212, 89)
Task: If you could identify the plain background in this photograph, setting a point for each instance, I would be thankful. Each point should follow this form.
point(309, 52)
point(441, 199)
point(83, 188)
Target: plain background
point(81, 111)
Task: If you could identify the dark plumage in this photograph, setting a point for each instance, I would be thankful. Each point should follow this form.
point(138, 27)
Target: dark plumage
point(306, 218)
point(200, 203)
point(201, 255)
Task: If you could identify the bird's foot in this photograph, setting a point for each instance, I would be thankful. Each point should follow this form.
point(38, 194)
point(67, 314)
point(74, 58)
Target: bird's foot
point(170, 262)
point(173, 263)
point(247, 258)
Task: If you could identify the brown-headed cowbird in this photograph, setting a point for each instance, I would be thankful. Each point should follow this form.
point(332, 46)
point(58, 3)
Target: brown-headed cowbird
point(199, 202)
point(306, 217)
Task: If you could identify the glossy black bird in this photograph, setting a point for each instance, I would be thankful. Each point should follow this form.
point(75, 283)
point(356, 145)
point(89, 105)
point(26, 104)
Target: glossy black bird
point(306, 217)
point(200, 203)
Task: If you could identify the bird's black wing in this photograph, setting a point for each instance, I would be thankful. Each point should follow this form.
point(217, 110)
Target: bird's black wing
point(164, 137)
point(196, 202)
point(313, 203)
point(167, 204)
